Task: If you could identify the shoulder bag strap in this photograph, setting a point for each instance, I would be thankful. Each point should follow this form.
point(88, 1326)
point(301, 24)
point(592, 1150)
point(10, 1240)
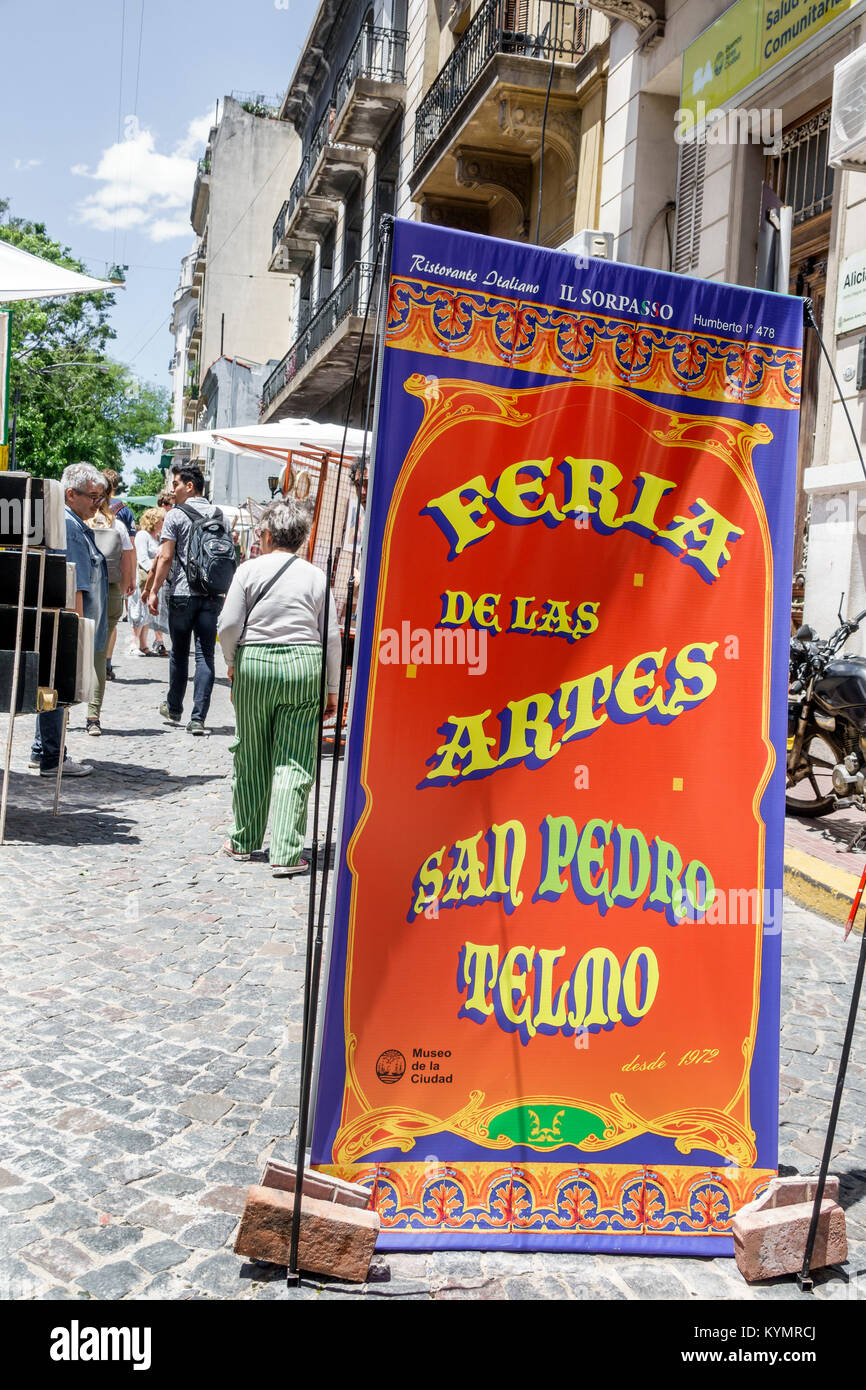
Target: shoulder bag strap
point(270, 584)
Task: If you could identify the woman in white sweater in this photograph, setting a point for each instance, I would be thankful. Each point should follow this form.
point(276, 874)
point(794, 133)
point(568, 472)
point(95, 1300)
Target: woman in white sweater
point(270, 630)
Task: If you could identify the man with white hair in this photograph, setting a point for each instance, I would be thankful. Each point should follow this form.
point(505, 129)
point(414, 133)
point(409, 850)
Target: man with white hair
point(83, 488)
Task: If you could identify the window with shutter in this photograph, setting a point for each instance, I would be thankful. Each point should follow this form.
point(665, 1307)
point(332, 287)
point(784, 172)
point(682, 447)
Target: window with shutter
point(690, 201)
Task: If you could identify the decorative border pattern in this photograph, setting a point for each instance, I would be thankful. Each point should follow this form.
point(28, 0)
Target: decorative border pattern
point(606, 351)
point(364, 1128)
point(554, 1199)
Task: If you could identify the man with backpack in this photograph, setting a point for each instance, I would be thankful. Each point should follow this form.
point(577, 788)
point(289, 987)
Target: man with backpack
point(197, 558)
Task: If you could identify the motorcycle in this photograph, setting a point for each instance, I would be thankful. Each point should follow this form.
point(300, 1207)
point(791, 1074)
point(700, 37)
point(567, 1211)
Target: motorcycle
point(826, 755)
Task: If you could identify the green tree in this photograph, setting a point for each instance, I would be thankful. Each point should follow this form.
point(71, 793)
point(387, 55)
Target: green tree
point(94, 410)
point(147, 482)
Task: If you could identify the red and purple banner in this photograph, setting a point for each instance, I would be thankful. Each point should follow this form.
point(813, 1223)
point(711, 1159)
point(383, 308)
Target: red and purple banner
point(553, 996)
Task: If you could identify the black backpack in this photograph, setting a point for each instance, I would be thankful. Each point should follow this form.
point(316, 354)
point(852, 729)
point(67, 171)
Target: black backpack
point(210, 554)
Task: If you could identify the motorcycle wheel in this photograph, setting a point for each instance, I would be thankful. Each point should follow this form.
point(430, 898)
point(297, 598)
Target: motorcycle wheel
point(811, 794)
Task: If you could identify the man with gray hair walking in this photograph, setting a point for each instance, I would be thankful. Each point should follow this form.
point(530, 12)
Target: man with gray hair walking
point(83, 489)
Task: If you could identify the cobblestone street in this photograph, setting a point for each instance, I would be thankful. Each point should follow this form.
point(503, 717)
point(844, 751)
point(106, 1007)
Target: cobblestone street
point(150, 1051)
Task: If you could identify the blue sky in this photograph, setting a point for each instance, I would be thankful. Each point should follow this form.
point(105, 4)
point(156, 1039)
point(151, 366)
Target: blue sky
point(103, 151)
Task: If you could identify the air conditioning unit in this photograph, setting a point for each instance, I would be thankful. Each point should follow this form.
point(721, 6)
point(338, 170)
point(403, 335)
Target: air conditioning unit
point(590, 244)
point(848, 114)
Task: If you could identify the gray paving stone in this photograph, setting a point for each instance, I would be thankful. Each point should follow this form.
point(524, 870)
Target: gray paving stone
point(173, 1184)
point(454, 1266)
point(211, 1233)
point(541, 1288)
point(220, 1275)
point(112, 1281)
point(147, 1066)
point(66, 1216)
point(162, 1216)
point(110, 1238)
point(60, 1258)
point(399, 1288)
point(647, 1280)
point(19, 1281)
point(14, 1235)
point(205, 1107)
point(25, 1198)
point(167, 1287)
point(592, 1289)
point(160, 1256)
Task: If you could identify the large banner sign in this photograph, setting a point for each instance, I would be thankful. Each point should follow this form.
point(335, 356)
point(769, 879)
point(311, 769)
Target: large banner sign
point(553, 999)
point(5, 361)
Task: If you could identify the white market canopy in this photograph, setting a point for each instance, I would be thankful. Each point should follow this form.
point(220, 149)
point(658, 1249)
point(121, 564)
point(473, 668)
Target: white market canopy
point(277, 440)
point(23, 276)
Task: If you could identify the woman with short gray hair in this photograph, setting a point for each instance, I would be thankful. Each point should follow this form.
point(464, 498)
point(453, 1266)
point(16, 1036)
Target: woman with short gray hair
point(270, 631)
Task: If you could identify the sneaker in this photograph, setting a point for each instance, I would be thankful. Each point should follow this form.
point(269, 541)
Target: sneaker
point(133, 650)
point(70, 769)
point(235, 853)
point(195, 726)
point(287, 870)
point(94, 727)
point(35, 765)
point(166, 714)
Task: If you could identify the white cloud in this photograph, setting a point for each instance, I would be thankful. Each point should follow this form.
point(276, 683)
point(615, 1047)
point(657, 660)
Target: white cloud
point(142, 188)
point(165, 228)
point(196, 135)
point(24, 164)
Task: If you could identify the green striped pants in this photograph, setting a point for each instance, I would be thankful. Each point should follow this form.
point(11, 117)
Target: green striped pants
point(276, 698)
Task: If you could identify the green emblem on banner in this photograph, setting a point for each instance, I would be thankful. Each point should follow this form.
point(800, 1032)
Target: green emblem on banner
point(546, 1126)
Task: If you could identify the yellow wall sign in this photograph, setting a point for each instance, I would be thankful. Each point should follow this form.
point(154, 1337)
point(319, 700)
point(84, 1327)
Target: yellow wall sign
point(746, 41)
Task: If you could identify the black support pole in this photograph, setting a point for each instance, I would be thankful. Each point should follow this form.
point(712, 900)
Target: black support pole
point(804, 1278)
point(316, 924)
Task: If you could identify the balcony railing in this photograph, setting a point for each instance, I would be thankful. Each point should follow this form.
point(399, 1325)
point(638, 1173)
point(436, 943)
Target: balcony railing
point(350, 297)
point(379, 54)
point(280, 225)
point(321, 137)
point(299, 183)
point(527, 28)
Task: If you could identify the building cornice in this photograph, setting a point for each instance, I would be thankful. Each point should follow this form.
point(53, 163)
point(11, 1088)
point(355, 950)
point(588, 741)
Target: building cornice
point(635, 12)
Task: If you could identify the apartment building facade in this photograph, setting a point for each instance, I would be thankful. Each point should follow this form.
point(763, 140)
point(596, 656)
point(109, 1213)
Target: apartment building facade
point(766, 71)
point(432, 112)
point(433, 109)
point(229, 315)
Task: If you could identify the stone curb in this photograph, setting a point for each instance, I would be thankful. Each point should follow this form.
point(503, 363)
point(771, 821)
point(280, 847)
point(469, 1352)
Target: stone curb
point(820, 886)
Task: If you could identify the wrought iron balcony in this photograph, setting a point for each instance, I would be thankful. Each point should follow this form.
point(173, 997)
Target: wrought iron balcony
point(299, 184)
point(280, 225)
point(364, 96)
point(349, 298)
point(525, 28)
point(321, 137)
